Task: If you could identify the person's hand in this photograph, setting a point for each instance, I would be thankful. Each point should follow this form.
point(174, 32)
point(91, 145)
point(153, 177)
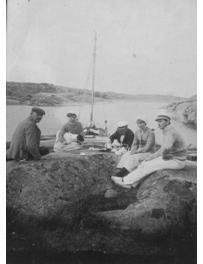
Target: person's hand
point(140, 150)
point(108, 145)
point(61, 140)
point(133, 151)
point(43, 158)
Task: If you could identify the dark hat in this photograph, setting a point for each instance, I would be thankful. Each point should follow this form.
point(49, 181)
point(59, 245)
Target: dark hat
point(38, 110)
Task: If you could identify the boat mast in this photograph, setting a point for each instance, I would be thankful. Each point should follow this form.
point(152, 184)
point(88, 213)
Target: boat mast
point(93, 78)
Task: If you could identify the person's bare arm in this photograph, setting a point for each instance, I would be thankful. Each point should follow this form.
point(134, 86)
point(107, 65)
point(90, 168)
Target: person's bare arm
point(135, 144)
point(61, 133)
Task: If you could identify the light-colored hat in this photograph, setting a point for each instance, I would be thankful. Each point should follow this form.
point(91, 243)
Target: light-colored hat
point(141, 119)
point(122, 123)
point(163, 116)
point(71, 113)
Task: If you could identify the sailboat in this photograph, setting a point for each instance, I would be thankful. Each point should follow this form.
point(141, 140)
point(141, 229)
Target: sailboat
point(94, 137)
point(92, 130)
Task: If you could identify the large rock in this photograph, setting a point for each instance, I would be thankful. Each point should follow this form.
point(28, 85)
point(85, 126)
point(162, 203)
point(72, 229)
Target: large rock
point(185, 112)
point(165, 199)
point(42, 189)
point(59, 204)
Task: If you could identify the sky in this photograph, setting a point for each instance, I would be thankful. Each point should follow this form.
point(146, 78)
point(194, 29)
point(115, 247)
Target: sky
point(143, 46)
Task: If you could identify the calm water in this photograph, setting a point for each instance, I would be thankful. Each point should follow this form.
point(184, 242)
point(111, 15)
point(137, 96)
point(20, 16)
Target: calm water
point(112, 112)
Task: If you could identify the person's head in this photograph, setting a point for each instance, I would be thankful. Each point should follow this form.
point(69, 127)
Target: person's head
point(72, 116)
point(141, 123)
point(163, 120)
point(37, 114)
point(122, 126)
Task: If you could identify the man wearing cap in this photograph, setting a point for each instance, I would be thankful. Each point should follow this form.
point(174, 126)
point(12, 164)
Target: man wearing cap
point(25, 143)
point(123, 135)
point(142, 147)
point(71, 134)
point(171, 155)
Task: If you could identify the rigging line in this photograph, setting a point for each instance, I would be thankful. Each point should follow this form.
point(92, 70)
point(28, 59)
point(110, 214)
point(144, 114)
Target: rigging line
point(102, 109)
point(93, 77)
point(104, 112)
point(85, 87)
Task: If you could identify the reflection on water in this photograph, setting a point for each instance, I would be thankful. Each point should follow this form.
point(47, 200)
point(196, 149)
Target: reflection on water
point(110, 111)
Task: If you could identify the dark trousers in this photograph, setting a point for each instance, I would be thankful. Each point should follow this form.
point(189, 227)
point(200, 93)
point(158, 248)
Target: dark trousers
point(42, 150)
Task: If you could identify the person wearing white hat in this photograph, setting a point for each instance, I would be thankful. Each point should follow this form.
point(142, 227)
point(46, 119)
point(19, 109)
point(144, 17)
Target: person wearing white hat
point(142, 147)
point(71, 134)
point(123, 137)
point(171, 155)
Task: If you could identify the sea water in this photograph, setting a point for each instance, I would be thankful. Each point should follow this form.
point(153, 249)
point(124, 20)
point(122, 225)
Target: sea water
point(111, 111)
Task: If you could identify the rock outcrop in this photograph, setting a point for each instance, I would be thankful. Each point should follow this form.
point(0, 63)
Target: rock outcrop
point(61, 204)
point(185, 112)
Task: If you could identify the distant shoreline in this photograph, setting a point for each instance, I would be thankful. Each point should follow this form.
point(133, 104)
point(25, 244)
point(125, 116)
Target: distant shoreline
point(45, 94)
point(18, 103)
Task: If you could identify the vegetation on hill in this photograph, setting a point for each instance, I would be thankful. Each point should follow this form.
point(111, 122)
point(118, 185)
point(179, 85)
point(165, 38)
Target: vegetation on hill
point(45, 94)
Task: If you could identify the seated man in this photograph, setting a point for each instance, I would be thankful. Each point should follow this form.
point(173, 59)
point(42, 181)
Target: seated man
point(123, 137)
point(142, 147)
point(171, 155)
point(25, 143)
point(71, 134)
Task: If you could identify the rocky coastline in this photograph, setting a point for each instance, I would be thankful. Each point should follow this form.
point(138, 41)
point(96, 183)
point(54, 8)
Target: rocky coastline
point(185, 112)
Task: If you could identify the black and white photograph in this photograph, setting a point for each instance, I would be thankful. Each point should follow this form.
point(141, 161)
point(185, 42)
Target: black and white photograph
point(101, 131)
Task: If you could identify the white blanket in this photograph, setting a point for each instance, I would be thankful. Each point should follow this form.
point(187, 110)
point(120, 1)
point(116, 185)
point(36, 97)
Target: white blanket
point(69, 143)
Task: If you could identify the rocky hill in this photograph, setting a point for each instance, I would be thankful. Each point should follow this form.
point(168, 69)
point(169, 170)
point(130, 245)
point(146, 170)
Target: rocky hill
point(185, 111)
point(45, 94)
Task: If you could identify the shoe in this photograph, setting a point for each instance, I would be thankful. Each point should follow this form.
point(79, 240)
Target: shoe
point(117, 170)
point(119, 181)
point(122, 172)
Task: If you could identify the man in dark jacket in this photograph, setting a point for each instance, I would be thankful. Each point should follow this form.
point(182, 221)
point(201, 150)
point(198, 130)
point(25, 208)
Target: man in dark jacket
point(123, 135)
point(25, 143)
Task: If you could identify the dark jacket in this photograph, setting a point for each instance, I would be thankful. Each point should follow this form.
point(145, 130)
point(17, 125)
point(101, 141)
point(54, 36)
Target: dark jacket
point(25, 141)
point(128, 138)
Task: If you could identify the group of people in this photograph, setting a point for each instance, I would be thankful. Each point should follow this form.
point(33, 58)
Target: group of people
point(142, 156)
point(138, 152)
point(25, 143)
